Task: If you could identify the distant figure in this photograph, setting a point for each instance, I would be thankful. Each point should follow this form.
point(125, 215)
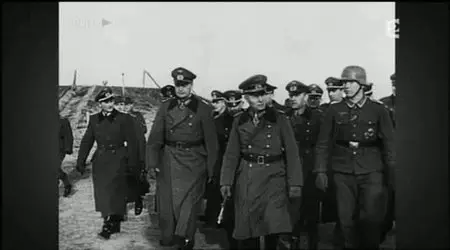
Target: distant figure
point(314, 96)
point(65, 148)
point(268, 98)
point(234, 102)
point(116, 151)
point(335, 89)
point(167, 92)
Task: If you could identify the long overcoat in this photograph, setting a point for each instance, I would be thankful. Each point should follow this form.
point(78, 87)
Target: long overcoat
point(138, 186)
point(261, 189)
point(184, 171)
point(65, 138)
point(110, 161)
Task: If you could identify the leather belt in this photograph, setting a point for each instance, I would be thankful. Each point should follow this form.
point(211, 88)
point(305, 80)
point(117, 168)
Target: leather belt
point(110, 146)
point(261, 159)
point(184, 145)
point(356, 145)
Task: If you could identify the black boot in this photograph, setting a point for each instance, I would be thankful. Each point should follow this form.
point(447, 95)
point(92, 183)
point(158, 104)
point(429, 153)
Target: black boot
point(67, 190)
point(295, 243)
point(111, 225)
point(138, 206)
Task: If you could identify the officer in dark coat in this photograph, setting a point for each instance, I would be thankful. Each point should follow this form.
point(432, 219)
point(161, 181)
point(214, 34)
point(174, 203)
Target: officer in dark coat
point(306, 123)
point(183, 142)
point(270, 91)
point(65, 148)
point(335, 89)
point(116, 150)
point(167, 92)
point(234, 102)
point(389, 102)
point(262, 165)
point(358, 136)
point(314, 96)
point(137, 177)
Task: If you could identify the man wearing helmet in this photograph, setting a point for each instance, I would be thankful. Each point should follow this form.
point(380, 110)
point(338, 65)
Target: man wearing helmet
point(357, 136)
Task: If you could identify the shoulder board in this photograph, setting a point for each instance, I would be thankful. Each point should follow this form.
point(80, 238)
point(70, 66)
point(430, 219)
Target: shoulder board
point(166, 100)
point(319, 110)
point(238, 113)
point(204, 101)
point(378, 102)
point(280, 111)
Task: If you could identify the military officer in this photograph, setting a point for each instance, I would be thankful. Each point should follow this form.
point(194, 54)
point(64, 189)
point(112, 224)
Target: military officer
point(116, 150)
point(314, 96)
point(65, 148)
point(137, 178)
point(167, 92)
point(305, 122)
point(182, 141)
point(268, 98)
point(335, 89)
point(119, 103)
point(357, 134)
point(260, 162)
point(389, 101)
point(388, 224)
point(233, 100)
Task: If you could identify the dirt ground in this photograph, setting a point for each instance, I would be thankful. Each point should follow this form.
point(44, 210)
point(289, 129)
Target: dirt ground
point(79, 223)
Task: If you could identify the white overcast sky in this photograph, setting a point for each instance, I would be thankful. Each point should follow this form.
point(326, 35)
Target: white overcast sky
point(224, 43)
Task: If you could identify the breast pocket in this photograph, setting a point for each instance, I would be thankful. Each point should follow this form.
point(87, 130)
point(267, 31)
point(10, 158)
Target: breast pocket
point(343, 129)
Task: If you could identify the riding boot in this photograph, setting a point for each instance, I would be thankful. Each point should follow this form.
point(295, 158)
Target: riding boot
point(106, 228)
point(186, 244)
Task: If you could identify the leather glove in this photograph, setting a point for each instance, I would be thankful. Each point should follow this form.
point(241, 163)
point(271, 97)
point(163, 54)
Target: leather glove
point(81, 168)
point(295, 192)
point(153, 173)
point(322, 181)
point(225, 191)
point(212, 180)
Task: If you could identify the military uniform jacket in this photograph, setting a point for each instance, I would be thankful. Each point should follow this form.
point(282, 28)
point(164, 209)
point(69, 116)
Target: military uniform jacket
point(65, 137)
point(389, 102)
point(183, 175)
point(260, 189)
point(358, 137)
point(306, 129)
point(109, 166)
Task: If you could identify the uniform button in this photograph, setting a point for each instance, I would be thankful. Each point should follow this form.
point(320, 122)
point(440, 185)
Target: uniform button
point(250, 165)
point(190, 116)
point(267, 164)
point(308, 123)
point(269, 135)
point(249, 146)
point(354, 125)
point(269, 126)
point(226, 129)
point(267, 146)
point(307, 131)
point(171, 131)
point(354, 135)
point(307, 151)
point(190, 124)
point(354, 152)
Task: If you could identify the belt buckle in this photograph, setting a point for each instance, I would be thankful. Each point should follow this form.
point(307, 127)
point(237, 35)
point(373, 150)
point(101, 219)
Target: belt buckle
point(179, 145)
point(260, 159)
point(353, 144)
